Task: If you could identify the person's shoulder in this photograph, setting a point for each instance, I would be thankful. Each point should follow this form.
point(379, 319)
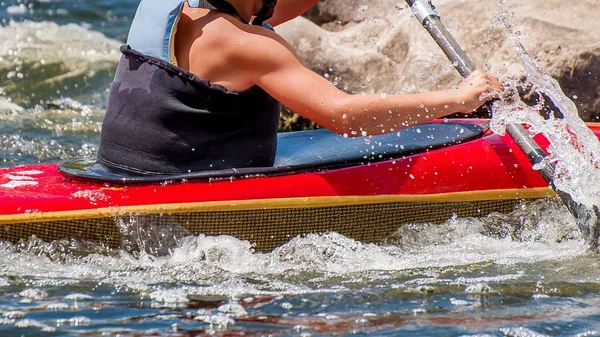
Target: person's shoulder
point(246, 41)
point(227, 28)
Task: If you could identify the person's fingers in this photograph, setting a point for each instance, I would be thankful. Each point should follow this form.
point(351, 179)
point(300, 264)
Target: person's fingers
point(496, 87)
point(494, 83)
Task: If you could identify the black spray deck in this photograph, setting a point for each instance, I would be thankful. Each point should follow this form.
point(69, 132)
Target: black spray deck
point(308, 150)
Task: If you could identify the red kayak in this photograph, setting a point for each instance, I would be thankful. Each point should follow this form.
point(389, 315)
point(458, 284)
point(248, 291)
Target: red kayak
point(364, 188)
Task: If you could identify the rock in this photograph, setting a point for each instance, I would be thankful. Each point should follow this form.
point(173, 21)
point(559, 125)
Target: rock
point(378, 46)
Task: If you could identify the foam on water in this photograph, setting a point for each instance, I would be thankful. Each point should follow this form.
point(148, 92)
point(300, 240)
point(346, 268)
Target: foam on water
point(41, 61)
point(48, 41)
point(53, 85)
point(227, 266)
point(7, 106)
point(42, 150)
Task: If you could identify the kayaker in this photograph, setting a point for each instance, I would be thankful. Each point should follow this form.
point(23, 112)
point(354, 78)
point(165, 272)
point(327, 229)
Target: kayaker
point(199, 84)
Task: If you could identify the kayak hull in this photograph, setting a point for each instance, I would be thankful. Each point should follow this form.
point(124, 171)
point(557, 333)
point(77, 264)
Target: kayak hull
point(367, 220)
point(367, 202)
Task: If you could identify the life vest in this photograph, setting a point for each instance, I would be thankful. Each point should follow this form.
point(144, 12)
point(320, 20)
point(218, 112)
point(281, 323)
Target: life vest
point(161, 119)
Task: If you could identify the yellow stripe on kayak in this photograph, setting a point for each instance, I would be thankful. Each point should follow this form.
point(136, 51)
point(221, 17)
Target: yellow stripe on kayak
point(278, 203)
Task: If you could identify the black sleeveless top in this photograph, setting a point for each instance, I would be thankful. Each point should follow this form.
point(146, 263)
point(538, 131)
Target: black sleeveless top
point(161, 119)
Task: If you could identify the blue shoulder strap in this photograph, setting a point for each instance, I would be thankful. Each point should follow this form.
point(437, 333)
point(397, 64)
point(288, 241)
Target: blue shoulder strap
point(153, 27)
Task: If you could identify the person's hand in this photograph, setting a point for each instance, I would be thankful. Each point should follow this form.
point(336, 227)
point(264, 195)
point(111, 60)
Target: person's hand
point(477, 89)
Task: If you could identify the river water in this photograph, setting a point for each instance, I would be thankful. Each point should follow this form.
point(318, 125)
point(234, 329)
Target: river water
point(528, 273)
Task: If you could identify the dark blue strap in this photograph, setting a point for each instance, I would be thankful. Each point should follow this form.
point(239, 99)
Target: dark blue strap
point(221, 6)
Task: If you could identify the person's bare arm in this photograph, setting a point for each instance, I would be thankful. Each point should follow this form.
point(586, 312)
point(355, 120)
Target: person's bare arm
point(288, 9)
point(269, 62)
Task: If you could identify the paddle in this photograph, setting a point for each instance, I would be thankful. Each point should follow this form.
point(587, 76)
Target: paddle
point(426, 13)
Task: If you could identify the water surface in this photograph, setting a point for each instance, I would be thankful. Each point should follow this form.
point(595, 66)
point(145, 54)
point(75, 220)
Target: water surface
point(528, 273)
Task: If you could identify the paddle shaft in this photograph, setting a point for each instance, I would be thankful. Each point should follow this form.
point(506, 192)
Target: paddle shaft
point(430, 19)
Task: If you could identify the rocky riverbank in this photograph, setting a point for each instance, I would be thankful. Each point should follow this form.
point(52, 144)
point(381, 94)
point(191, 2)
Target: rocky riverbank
point(378, 46)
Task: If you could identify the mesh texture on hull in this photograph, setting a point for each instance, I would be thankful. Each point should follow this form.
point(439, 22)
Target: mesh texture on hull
point(266, 228)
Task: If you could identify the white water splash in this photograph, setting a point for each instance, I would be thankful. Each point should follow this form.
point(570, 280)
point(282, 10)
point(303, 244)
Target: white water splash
point(44, 61)
point(48, 42)
point(574, 148)
point(227, 266)
point(521, 332)
point(43, 149)
point(32, 323)
point(7, 106)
